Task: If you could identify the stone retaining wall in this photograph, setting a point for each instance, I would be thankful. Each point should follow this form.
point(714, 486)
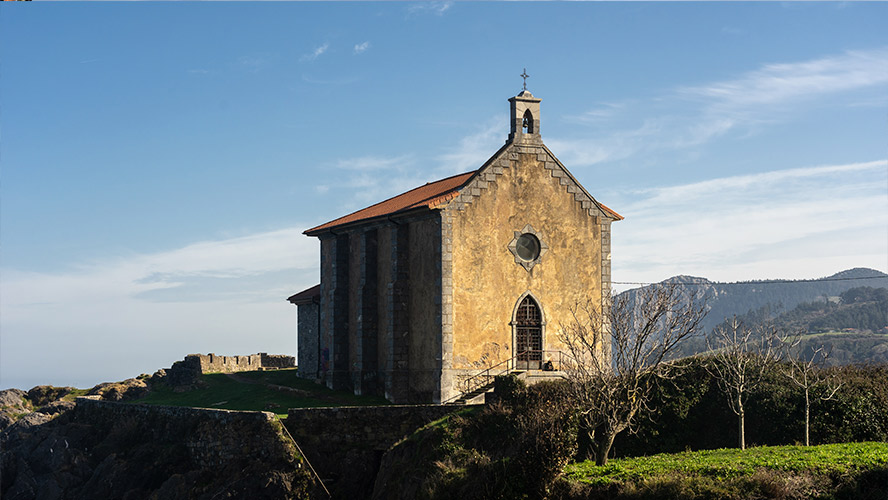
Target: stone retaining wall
point(373, 427)
point(213, 438)
point(102, 449)
point(345, 444)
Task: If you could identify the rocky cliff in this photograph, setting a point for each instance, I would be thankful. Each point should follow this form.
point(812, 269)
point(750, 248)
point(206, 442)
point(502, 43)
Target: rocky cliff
point(98, 449)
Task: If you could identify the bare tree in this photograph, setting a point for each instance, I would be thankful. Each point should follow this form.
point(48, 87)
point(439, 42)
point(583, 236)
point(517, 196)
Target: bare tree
point(741, 357)
point(618, 354)
point(808, 373)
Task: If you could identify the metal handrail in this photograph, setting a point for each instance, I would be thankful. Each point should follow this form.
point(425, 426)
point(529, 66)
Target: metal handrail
point(486, 376)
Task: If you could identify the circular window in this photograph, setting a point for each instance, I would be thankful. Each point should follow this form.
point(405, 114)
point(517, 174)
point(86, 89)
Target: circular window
point(528, 247)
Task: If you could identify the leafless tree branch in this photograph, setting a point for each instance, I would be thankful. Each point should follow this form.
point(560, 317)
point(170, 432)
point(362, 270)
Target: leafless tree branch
point(619, 349)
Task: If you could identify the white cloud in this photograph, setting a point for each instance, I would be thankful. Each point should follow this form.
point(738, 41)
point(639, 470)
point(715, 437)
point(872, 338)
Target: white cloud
point(362, 47)
point(317, 52)
point(252, 63)
point(695, 115)
point(765, 180)
point(142, 312)
point(602, 111)
point(376, 178)
point(375, 163)
point(785, 223)
point(348, 80)
point(779, 83)
point(473, 150)
point(436, 8)
point(133, 276)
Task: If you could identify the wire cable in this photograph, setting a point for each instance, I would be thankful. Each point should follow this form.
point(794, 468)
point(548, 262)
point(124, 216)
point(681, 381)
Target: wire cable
point(763, 282)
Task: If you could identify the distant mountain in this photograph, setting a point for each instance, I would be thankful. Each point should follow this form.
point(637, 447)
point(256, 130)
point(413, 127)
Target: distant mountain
point(852, 328)
point(724, 300)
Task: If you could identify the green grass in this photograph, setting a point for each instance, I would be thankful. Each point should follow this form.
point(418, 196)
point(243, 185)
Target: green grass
point(831, 333)
point(251, 392)
point(832, 460)
point(74, 394)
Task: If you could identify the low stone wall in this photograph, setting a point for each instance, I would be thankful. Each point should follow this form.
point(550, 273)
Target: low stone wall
point(345, 444)
point(211, 363)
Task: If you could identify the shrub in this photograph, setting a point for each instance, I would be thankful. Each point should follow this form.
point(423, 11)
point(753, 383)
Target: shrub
point(514, 448)
point(690, 413)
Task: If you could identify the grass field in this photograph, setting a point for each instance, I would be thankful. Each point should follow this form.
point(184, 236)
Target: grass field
point(274, 390)
point(830, 459)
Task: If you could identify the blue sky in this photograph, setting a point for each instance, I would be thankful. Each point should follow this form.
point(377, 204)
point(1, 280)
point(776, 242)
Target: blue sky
point(159, 161)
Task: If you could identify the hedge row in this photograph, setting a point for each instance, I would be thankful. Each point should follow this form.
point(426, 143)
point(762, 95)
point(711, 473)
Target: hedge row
point(690, 413)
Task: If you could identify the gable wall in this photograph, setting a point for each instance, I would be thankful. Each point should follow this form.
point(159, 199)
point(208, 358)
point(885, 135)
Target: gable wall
point(485, 282)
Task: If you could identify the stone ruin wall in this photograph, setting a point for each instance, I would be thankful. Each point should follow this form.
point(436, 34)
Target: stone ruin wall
point(185, 373)
point(211, 363)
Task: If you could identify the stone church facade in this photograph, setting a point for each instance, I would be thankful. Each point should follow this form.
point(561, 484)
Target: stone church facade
point(424, 290)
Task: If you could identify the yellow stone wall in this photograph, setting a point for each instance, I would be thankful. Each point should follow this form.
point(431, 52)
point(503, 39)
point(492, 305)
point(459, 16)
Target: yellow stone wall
point(487, 282)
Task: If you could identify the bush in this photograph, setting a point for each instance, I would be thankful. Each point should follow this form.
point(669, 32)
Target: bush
point(514, 448)
point(690, 413)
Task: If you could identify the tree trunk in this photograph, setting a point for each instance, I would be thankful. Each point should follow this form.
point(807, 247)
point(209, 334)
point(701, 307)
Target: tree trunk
point(741, 417)
point(807, 418)
point(586, 443)
point(604, 443)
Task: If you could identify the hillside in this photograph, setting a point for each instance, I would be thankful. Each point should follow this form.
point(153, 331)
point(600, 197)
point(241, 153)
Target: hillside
point(724, 300)
point(852, 327)
point(848, 311)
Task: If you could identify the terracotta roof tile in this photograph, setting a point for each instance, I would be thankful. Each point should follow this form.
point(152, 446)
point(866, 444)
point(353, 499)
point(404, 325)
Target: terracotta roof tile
point(610, 211)
point(429, 195)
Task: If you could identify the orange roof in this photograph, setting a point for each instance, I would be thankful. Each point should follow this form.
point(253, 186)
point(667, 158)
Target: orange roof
point(429, 195)
point(610, 211)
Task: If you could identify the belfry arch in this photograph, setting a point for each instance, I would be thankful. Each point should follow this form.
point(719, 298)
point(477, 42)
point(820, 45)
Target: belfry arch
point(527, 123)
point(528, 333)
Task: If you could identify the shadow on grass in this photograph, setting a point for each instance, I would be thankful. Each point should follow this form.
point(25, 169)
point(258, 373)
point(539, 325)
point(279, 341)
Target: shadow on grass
point(274, 390)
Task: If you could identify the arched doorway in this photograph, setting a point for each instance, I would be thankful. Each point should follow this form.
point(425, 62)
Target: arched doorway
point(528, 328)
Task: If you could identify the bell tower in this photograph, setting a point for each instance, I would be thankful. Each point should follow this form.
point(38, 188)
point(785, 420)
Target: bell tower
point(525, 115)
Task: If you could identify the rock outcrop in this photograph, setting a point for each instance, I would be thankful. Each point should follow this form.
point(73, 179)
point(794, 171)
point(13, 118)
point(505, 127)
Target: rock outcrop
point(98, 449)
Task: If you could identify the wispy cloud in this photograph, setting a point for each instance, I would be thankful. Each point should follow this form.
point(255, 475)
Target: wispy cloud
point(314, 54)
point(474, 149)
point(781, 83)
point(252, 63)
point(360, 48)
point(141, 312)
point(602, 111)
point(375, 163)
point(773, 224)
point(731, 30)
point(134, 275)
point(374, 178)
point(347, 80)
point(694, 115)
point(436, 8)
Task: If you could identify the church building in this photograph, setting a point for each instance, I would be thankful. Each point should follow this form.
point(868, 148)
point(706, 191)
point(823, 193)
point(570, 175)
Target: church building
point(427, 289)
